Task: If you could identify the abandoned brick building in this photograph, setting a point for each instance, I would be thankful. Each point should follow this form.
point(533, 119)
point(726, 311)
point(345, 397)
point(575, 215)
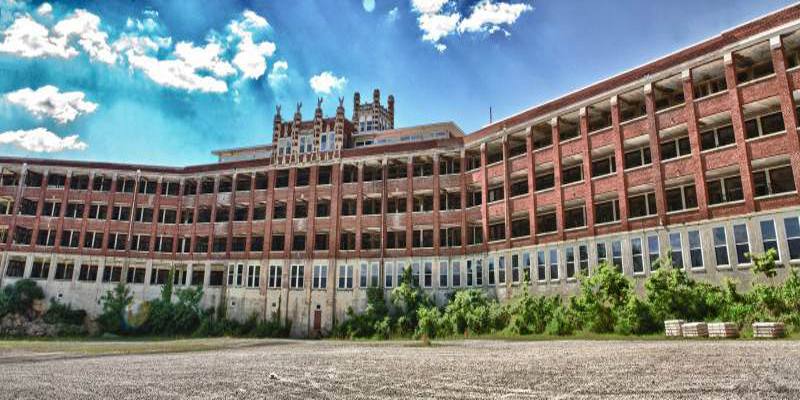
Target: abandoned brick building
point(696, 155)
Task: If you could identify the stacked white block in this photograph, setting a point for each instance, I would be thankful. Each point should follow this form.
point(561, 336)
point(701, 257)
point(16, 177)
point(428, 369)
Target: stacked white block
point(673, 327)
point(768, 329)
point(723, 330)
point(695, 329)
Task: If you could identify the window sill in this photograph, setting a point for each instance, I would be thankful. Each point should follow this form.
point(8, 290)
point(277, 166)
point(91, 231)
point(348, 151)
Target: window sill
point(638, 167)
point(514, 157)
point(494, 164)
point(604, 176)
point(566, 185)
point(720, 148)
point(544, 190)
point(570, 140)
point(670, 108)
point(550, 146)
point(724, 268)
point(575, 229)
point(769, 135)
point(685, 210)
point(712, 95)
point(676, 158)
point(698, 269)
point(518, 196)
point(632, 120)
point(756, 80)
point(546, 233)
point(776, 195)
point(639, 274)
point(633, 219)
point(727, 203)
point(600, 130)
point(597, 225)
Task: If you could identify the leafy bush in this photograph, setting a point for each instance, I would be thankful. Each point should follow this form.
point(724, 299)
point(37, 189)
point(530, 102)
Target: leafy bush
point(19, 297)
point(471, 311)
point(562, 322)
point(115, 307)
point(636, 318)
point(430, 323)
point(530, 314)
point(59, 313)
point(601, 296)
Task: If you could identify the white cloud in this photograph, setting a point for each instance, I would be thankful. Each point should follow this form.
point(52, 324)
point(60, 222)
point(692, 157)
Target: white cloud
point(204, 58)
point(251, 56)
point(428, 6)
point(29, 39)
point(393, 14)
point(437, 26)
point(48, 101)
point(487, 16)
point(438, 19)
point(369, 5)
point(326, 82)
point(175, 73)
point(45, 9)
point(278, 74)
point(41, 140)
point(86, 27)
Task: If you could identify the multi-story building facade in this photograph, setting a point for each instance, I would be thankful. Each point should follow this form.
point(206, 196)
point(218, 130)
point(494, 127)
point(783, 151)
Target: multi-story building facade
point(695, 155)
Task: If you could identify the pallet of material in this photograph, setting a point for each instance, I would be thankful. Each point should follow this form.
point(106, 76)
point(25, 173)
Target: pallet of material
point(723, 330)
point(695, 329)
point(673, 327)
point(768, 329)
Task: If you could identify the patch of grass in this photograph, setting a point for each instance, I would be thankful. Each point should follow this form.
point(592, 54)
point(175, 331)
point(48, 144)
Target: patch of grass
point(124, 346)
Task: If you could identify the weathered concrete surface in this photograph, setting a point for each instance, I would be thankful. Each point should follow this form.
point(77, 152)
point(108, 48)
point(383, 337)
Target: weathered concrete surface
point(455, 370)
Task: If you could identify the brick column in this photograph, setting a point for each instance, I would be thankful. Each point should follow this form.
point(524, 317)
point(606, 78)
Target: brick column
point(506, 190)
point(133, 215)
point(176, 237)
point(694, 141)
point(787, 106)
point(436, 208)
point(359, 206)
point(271, 178)
point(462, 179)
point(109, 212)
point(231, 214)
point(195, 213)
point(484, 197)
point(557, 186)
point(312, 213)
point(531, 182)
point(384, 199)
point(588, 188)
point(290, 214)
point(409, 205)
point(619, 157)
point(212, 230)
point(15, 210)
point(737, 118)
point(39, 207)
point(62, 212)
point(156, 221)
point(336, 209)
point(250, 210)
point(655, 153)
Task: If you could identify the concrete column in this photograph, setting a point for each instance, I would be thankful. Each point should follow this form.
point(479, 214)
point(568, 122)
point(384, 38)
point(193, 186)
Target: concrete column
point(698, 164)
point(737, 118)
point(787, 106)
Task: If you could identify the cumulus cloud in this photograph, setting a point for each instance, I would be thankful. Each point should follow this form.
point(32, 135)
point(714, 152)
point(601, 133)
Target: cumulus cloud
point(85, 26)
point(278, 75)
point(29, 39)
point(49, 101)
point(438, 19)
point(44, 9)
point(326, 82)
point(488, 16)
point(251, 56)
point(204, 58)
point(175, 73)
point(40, 140)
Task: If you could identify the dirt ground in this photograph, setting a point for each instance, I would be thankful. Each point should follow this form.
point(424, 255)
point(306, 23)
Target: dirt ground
point(449, 370)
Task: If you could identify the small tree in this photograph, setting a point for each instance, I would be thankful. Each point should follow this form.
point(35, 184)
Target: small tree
point(115, 305)
point(765, 263)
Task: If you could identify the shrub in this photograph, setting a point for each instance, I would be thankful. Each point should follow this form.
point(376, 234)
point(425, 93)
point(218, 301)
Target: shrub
point(472, 311)
point(601, 295)
point(636, 318)
point(562, 322)
point(530, 314)
point(59, 313)
point(407, 299)
point(19, 297)
point(430, 321)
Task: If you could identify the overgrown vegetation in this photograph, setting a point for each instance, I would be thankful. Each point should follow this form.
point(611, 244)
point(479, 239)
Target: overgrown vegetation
point(605, 304)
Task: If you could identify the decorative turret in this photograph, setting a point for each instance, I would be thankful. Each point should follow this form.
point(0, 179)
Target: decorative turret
point(277, 122)
point(318, 110)
point(297, 116)
point(390, 102)
point(376, 97)
point(356, 106)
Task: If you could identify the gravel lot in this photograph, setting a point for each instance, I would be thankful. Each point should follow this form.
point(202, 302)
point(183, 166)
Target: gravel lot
point(455, 370)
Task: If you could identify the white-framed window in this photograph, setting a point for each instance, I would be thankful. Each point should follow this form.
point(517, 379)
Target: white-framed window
point(695, 249)
point(721, 246)
point(428, 277)
point(602, 253)
point(792, 226)
point(501, 270)
point(401, 268)
point(769, 236)
point(478, 273)
point(345, 277)
point(526, 266)
point(616, 254)
point(637, 255)
point(362, 275)
point(231, 274)
point(772, 181)
point(374, 275)
point(741, 241)
point(306, 144)
point(725, 190)
point(569, 259)
point(541, 266)
point(320, 278)
point(284, 146)
point(676, 249)
point(456, 274)
point(491, 271)
point(554, 264)
point(468, 273)
point(653, 250)
point(415, 274)
point(388, 273)
point(253, 275)
point(583, 259)
point(275, 276)
point(515, 268)
point(443, 274)
point(297, 276)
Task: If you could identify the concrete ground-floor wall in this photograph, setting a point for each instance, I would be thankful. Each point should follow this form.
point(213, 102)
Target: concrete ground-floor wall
point(313, 294)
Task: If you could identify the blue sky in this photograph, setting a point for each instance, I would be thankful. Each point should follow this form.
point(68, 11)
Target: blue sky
point(166, 82)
